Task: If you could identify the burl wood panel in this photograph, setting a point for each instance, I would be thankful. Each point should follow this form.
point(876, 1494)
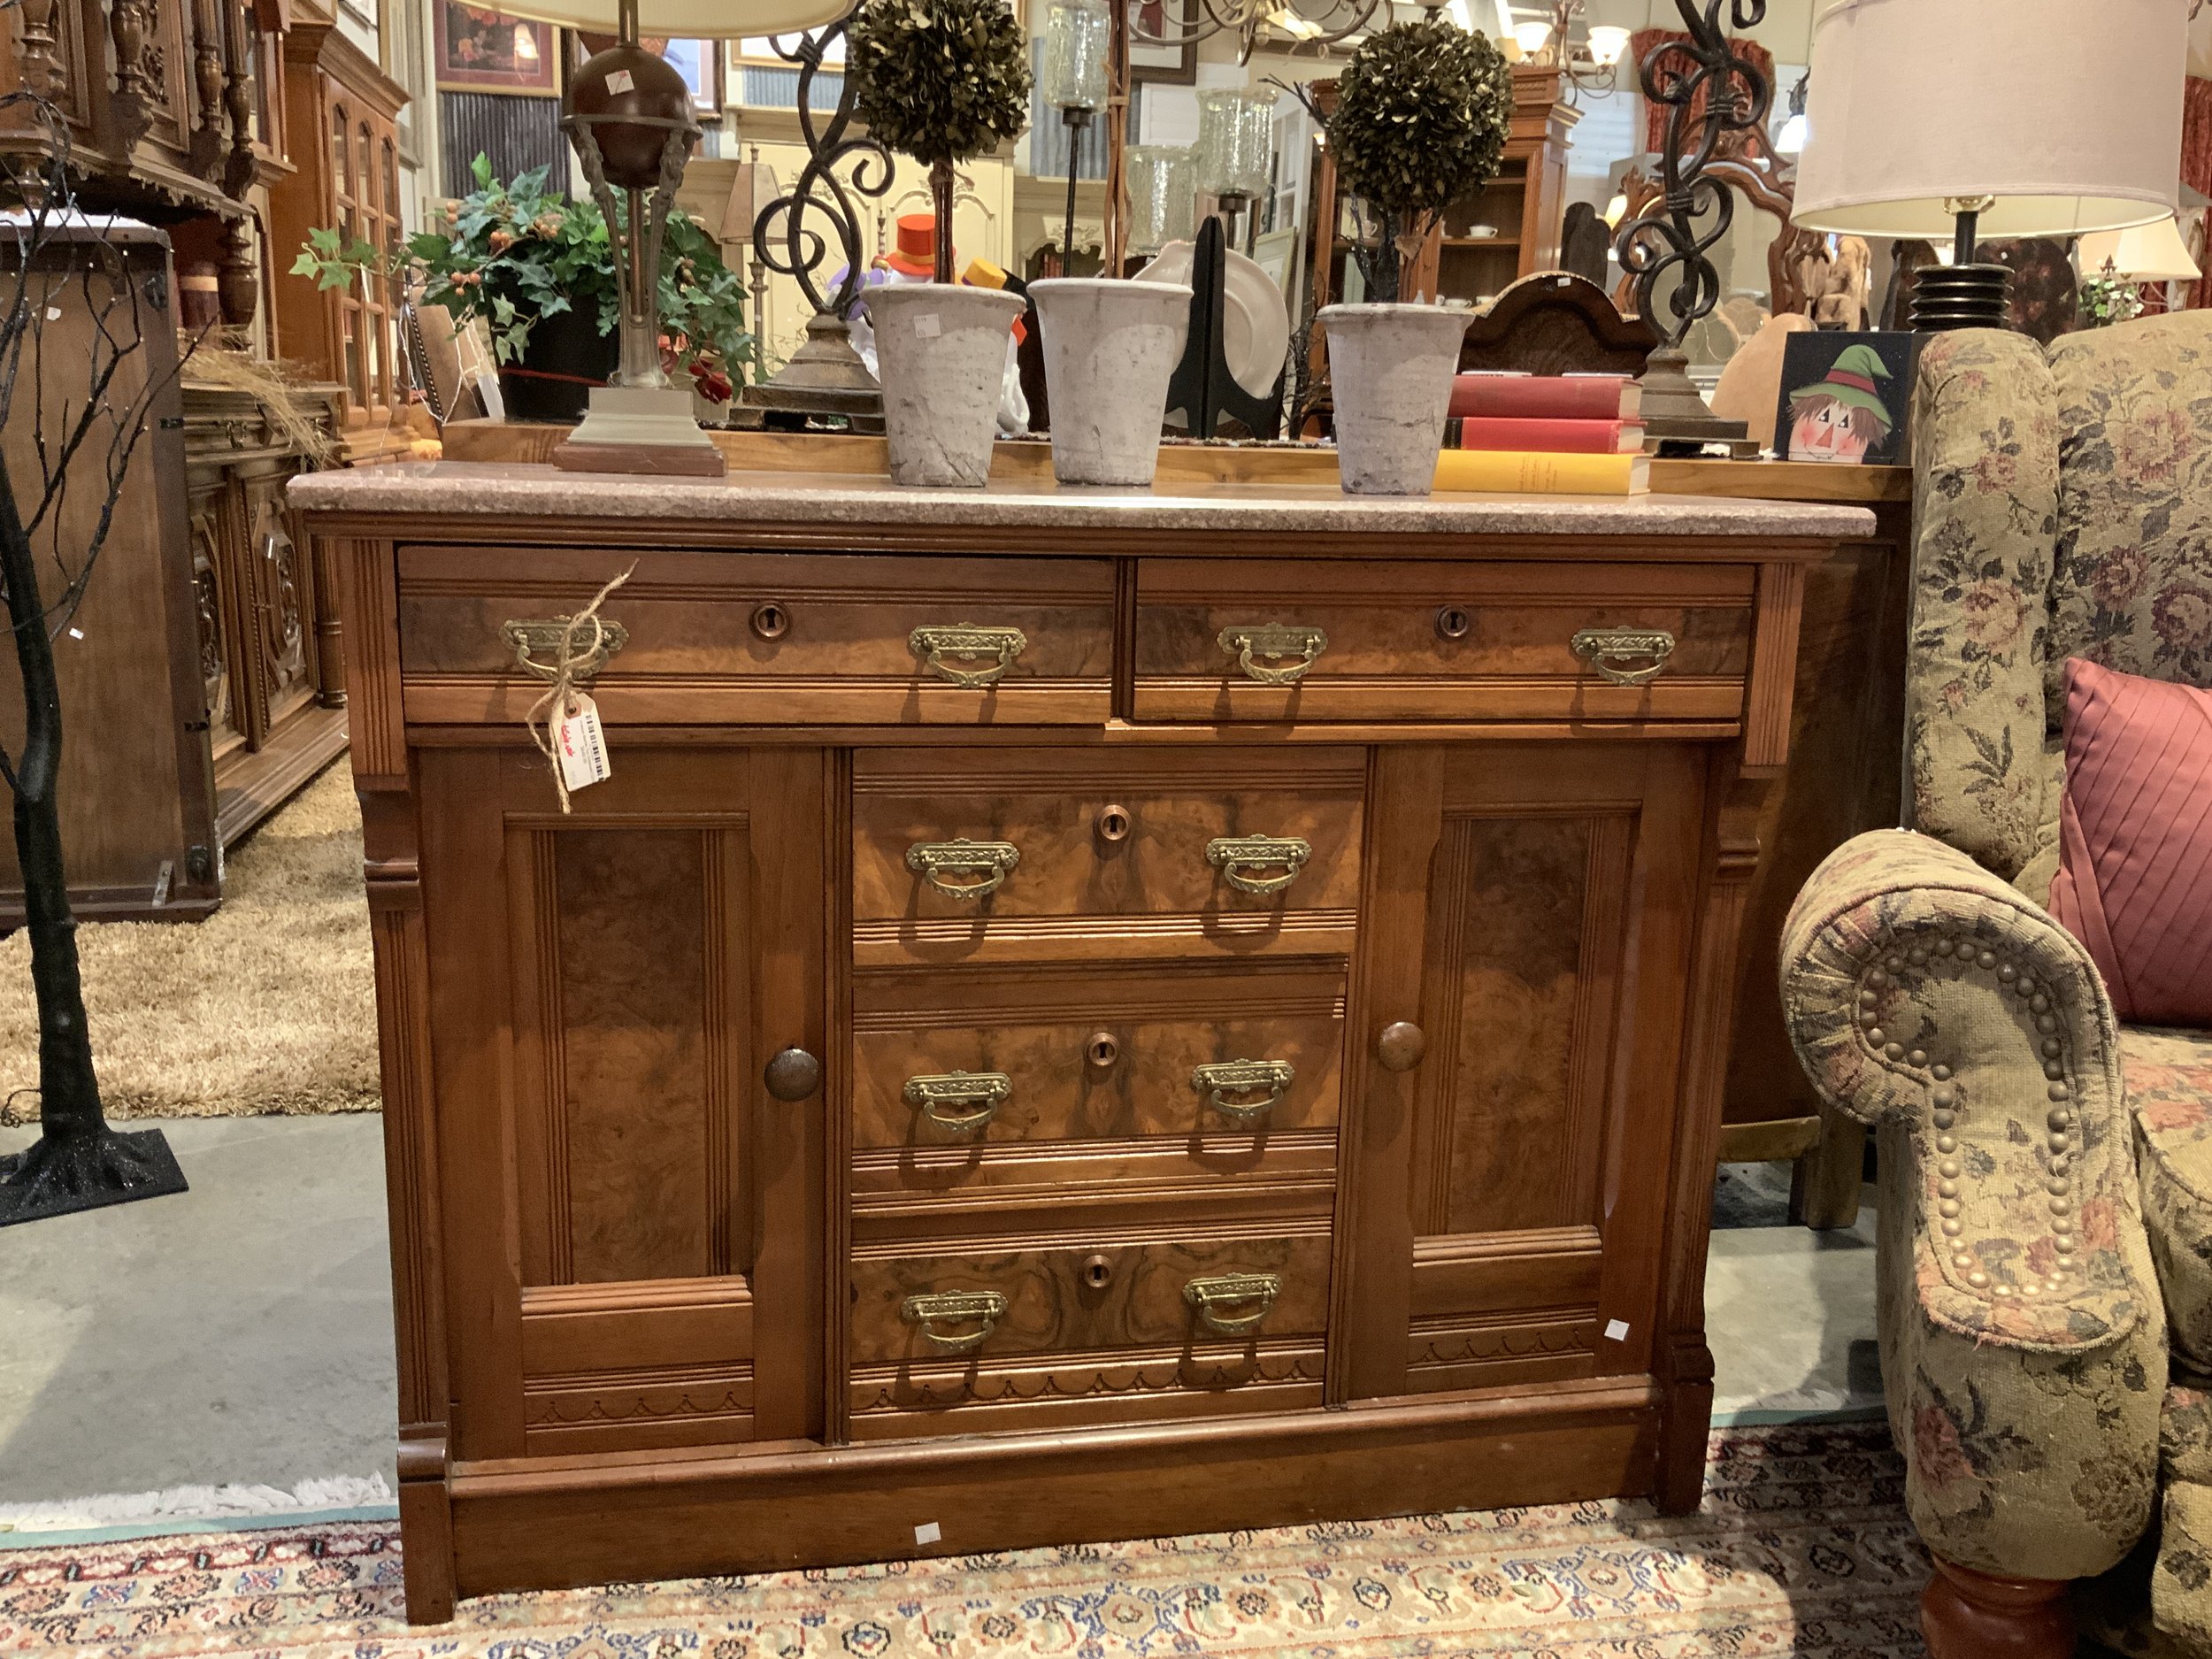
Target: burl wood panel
point(1393, 653)
point(1051, 1308)
point(1092, 1054)
point(1049, 808)
point(833, 647)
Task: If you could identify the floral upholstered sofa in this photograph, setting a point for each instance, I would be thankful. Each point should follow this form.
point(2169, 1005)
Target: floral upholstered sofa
point(2045, 1211)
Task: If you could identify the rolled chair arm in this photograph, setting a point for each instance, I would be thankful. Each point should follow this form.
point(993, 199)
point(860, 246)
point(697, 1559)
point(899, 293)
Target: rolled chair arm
point(2023, 1340)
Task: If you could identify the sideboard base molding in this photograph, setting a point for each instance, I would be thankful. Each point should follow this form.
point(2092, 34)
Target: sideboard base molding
point(522, 1524)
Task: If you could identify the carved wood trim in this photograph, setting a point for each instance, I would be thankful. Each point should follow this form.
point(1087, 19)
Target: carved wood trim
point(411, 1151)
point(1773, 681)
point(368, 596)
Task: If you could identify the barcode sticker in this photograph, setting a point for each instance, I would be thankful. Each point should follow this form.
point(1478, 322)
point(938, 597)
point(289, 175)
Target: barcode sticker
point(925, 326)
point(621, 80)
point(583, 747)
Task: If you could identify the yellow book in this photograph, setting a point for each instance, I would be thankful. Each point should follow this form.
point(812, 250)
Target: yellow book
point(1527, 472)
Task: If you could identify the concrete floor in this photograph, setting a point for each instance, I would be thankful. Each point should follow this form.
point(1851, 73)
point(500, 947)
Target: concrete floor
point(242, 1332)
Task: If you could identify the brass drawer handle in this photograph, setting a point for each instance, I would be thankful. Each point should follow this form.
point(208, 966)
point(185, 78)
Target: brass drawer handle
point(1230, 1289)
point(967, 641)
point(985, 1090)
point(1224, 1078)
point(1239, 857)
point(1606, 650)
point(989, 861)
point(1276, 642)
point(986, 1308)
point(530, 640)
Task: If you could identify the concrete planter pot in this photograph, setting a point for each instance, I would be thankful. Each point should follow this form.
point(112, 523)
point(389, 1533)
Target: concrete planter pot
point(941, 354)
point(1391, 367)
point(1109, 347)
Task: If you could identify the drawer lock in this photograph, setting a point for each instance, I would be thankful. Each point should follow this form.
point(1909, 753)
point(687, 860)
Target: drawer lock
point(538, 646)
point(1274, 653)
point(964, 869)
point(941, 1098)
point(1256, 1291)
point(1611, 651)
point(1258, 863)
point(983, 1309)
point(1217, 1082)
point(944, 650)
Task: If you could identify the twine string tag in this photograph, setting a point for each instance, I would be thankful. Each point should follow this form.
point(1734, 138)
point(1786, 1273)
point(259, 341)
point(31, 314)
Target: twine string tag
point(565, 723)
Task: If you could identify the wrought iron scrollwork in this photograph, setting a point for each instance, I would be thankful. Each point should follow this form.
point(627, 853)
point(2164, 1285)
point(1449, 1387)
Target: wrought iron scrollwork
point(1311, 24)
point(788, 244)
point(1694, 209)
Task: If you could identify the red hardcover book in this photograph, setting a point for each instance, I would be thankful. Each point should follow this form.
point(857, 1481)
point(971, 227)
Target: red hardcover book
point(1554, 437)
point(1547, 397)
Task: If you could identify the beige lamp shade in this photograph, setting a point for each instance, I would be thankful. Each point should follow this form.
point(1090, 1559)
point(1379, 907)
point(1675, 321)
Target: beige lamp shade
point(685, 19)
point(2067, 112)
point(752, 188)
point(2149, 253)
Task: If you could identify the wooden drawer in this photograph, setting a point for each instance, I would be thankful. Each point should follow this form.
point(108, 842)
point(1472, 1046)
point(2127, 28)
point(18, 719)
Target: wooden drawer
point(1222, 639)
point(1103, 856)
point(1096, 1330)
point(771, 639)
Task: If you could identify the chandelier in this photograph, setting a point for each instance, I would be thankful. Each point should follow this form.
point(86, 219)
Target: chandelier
point(1319, 24)
point(1589, 66)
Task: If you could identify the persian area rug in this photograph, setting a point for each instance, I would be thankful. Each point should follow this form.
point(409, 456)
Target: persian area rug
point(1801, 1548)
point(269, 1005)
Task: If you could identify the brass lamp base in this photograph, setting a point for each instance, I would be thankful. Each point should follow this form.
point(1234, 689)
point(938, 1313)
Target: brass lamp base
point(1676, 414)
point(824, 377)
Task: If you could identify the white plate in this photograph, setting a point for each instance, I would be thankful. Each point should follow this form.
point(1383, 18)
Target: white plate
point(1255, 321)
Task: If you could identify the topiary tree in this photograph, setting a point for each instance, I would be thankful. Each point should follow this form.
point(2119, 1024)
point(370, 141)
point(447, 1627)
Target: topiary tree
point(944, 82)
point(1422, 116)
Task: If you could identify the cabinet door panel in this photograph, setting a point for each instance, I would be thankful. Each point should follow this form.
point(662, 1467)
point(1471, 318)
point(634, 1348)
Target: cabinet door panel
point(1510, 1191)
point(641, 1252)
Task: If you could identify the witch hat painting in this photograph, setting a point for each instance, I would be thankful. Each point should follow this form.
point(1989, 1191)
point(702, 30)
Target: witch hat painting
point(1847, 416)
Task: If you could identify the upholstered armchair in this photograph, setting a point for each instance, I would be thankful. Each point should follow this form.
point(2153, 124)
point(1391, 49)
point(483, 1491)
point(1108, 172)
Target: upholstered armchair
point(2045, 1206)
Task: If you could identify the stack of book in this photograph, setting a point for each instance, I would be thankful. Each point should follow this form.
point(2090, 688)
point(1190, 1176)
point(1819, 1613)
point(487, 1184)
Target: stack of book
point(1555, 434)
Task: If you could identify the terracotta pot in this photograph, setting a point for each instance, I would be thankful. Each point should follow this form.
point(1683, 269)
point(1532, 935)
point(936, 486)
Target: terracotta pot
point(1391, 369)
point(1110, 348)
point(941, 354)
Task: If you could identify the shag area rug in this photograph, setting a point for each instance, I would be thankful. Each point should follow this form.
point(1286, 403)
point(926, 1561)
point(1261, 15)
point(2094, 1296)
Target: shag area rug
point(1801, 1548)
point(269, 1005)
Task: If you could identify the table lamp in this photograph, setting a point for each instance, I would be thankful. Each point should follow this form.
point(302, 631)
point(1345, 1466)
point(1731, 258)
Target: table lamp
point(628, 113)
point(1990, 118)
point(2148, 253)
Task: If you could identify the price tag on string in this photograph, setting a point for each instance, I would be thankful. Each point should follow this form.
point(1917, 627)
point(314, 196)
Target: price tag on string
point(583, 746)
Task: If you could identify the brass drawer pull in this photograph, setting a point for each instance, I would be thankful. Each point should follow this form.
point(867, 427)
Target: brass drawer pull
point(1277, 643)
point(966, 640)
point(1224, 1078)
point(1240, 858)
point(989, 861)
point(1230, 1289)
point(955, 1307)
point(985, 1091)
point(530, 640)
point(1606, 650)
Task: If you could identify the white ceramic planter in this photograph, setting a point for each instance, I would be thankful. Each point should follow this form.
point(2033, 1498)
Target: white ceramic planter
point(941, 355)
point(1109, 347)
point(1391, 369)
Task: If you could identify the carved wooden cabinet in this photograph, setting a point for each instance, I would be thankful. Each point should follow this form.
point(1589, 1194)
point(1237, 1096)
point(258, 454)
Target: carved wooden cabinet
point(270, 662)
point(1044, 1037)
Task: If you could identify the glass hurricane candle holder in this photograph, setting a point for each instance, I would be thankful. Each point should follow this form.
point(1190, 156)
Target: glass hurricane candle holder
point(1162, 195)
point(1235, 142)
point(1075, 54)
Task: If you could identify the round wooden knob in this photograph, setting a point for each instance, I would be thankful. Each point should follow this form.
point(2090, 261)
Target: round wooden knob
point(1401, 1046)
point(793, 1075)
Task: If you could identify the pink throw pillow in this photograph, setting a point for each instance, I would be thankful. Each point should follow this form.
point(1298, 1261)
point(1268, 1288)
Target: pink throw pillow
point(2135, 840)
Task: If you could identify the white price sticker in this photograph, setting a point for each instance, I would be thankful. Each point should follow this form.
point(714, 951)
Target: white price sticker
point(925, 325)
point(1616, 1331)
point(583, 747)
point(621, 80)
point(53, 313)
point(928, 1532)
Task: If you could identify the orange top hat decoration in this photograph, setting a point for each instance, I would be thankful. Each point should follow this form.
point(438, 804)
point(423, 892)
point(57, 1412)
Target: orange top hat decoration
point(916, 256)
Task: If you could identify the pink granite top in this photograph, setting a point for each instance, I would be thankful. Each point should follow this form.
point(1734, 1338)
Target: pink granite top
point(513, 491)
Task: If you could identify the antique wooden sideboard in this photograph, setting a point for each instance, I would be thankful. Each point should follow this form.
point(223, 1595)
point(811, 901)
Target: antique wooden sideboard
point(1076, 1015)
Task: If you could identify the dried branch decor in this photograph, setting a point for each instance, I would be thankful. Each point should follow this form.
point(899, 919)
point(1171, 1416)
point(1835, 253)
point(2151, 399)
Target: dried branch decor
point(942, 80)
point(1422, 113)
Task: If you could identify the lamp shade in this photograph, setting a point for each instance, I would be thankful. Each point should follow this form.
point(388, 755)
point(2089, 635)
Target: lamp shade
point(2067, 112)
point(685, 19)
point(2149, 253)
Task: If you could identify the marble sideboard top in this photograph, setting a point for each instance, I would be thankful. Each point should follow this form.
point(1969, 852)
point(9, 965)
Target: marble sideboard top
point(513, 491)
